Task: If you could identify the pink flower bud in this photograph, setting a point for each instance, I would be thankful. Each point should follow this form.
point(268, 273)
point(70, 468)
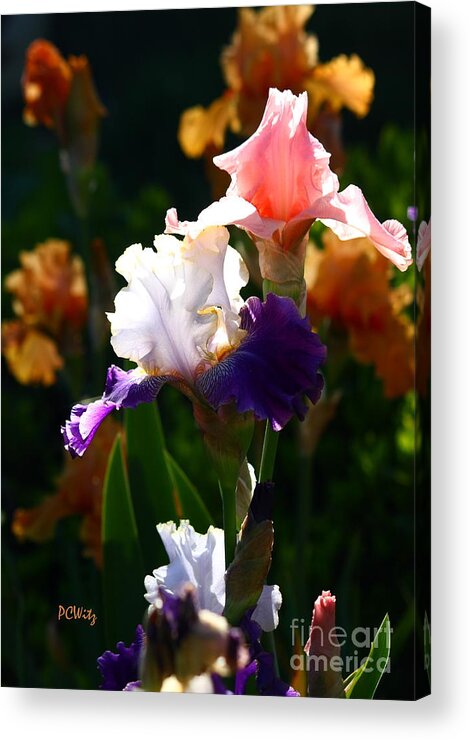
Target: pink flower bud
point(323, 650)
point(322, 640)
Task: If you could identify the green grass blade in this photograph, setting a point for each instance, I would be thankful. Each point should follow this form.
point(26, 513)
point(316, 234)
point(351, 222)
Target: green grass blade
point(364, 682)
point(123, 571)
point(189, 503)
point(151, 482)
point(351, 676)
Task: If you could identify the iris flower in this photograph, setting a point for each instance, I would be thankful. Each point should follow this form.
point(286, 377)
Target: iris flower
point(181, 320)
point(78, 493)
point(181, 648)
point(49, 296)
point(273, 48)
point(120, 670)
point(200, 560)
point(350, 284)
point(281, 182)
point(61, 95)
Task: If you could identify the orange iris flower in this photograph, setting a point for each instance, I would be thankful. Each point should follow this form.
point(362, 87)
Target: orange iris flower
point(50, 300)
point(271, 48)
point(349, 283)
point(78, 493)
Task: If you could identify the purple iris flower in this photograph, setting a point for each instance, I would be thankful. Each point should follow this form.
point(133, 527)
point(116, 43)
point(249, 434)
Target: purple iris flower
point(182, 321)
point(262, 666)
point(120, 670)
point(273, 368)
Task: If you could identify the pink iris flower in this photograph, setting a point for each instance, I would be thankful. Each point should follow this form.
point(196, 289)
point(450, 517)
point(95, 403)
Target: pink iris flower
point(281, 183)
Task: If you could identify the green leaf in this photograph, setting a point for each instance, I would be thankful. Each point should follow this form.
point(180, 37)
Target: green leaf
point(123, 571)
point(188, 502)
point(363, 682)
point(352, 675)
point(160, 490)
point(151, 481)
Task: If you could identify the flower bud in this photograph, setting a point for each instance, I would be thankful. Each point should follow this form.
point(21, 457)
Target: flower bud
point(323, 650)
point(46, 85)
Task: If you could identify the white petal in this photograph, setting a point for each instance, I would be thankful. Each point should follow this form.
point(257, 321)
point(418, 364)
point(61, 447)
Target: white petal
point(230, 209)
point(210, 250)
point(236, 276)
point(156, 322)
point(165, 531)
point(134, 257)
point(151, 587)
point(195, 558)
point(200, 685)
point(267, 608)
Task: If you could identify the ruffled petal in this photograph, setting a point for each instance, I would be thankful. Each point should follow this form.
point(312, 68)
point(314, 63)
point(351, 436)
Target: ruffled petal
point(344, 81)
point(281, 168)
point(32, 356)
point(211, 251)
point(199, 559)
point(231, 209)
point(122, 390)
point(76, 441)
point(133, 686)
point(195, 558)
point(348, 215)
point(202, 128)
point(157, 323)
point(283, 172)
point(273, 368)
point(120, 671)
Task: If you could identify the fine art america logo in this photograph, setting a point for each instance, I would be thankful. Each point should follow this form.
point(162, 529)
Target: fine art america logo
point(328, 644)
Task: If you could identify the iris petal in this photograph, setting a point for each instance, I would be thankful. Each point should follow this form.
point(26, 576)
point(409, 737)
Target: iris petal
point(157, 323)
point(122, 390)
point(119, 670)
point(274, 366)
point(197, 558)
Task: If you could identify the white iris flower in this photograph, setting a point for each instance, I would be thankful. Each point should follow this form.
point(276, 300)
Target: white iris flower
point(179, 311)
point(199, 559)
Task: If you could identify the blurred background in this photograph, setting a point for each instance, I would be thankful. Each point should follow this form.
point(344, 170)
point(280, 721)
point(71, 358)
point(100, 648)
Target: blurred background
point(344, 511)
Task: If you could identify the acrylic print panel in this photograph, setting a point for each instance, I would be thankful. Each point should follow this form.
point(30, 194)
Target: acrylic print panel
point(216, 351)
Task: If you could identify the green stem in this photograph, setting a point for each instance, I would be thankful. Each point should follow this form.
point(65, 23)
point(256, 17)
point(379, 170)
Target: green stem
point(304, 514)
point(266, 471)
point(230, 521)
point(96, 348)
point(268, 455)
point(296, 290)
